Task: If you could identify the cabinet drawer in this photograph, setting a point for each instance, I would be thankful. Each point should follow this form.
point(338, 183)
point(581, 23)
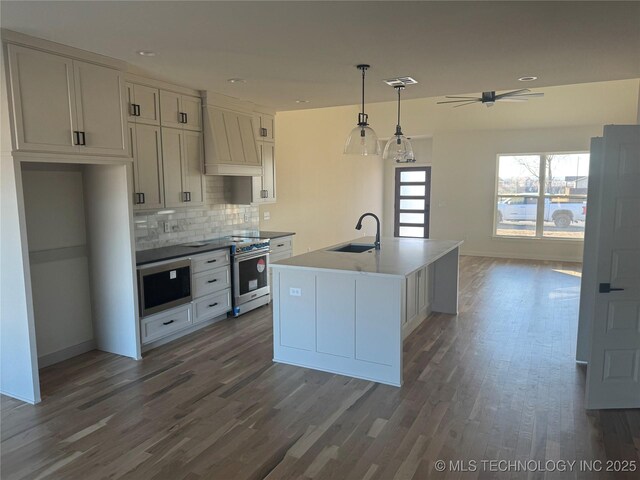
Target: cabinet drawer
point(274, 257)
point(165, 323)
point(211, 281)
point(211, 306)
point(211, 260)
point(279, 245)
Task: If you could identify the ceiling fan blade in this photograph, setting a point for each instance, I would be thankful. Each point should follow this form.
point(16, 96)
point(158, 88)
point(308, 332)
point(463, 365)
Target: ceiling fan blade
point(467, 103)
point(515, 92)
point(470, 98)
point(532, 95)
point(460, 101)
point(511, 99)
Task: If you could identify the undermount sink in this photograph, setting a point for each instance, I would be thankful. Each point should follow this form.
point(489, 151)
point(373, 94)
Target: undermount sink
point(353, 248)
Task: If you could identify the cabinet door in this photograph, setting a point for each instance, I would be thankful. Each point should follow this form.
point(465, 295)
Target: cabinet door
point(421, 287)
point(148, 101)
point(193, 158)
point(191, 107)
point(170, 109)
point(172, 152)
point(129, 96)
point(100, 108)
point(267, 123)
point(267, 152)
point(248, 141)
point(148, 166)
point(44, 103)
point(412, 302)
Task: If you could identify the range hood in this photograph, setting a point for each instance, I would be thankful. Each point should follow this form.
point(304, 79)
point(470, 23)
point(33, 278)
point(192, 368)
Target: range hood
point(230, 146)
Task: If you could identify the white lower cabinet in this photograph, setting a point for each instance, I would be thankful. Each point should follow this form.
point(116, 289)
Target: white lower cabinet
point(211, 281)
point(211, 306)
point(162, 324)
point(281, 249)
point(418, 298)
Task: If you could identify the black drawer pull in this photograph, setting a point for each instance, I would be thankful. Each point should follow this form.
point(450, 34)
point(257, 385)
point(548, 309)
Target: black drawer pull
point(211, 261)
point(214, 280)
point(213, 304)
point(168, 323)
point(280, 245)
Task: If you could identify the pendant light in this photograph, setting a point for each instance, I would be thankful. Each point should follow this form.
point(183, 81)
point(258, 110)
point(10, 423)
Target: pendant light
point(362, 140)
point(399, 147)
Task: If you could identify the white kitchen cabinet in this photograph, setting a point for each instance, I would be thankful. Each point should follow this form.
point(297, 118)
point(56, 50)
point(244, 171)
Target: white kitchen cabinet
point(165, 323)
point(145, 144)
point(260, 189)
point(281, 249)
point(182, 167)
point(180, 111)
point(62, 105)
point(211, 281)
point(417, 298)
point(143, 104)
point(264, 126)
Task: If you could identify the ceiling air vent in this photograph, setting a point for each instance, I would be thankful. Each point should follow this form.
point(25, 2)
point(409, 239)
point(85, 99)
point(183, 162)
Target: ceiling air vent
point(399, 81)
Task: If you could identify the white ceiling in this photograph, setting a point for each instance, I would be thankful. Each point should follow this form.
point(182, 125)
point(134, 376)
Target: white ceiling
point(307, 50)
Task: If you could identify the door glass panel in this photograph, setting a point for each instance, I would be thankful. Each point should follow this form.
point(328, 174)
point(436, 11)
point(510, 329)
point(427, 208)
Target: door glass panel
point(412, 218)
point(411, 204)
point(412, 232)
point(412, 190)
point(413, 176)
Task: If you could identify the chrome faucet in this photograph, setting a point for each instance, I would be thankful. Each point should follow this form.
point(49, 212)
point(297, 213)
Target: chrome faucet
point(359, 226)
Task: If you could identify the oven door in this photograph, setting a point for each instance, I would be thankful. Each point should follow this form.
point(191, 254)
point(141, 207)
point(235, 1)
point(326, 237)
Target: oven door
point(250, 277)
point(163, 286)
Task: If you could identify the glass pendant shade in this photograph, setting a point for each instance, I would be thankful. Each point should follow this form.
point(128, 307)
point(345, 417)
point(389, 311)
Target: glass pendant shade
point(399, 149)
point(362, 141)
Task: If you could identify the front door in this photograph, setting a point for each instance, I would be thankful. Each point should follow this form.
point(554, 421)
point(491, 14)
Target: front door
point(613, 372)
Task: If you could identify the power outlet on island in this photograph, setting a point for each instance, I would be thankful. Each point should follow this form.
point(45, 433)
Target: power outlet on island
point(295, 292)
point(266, 215)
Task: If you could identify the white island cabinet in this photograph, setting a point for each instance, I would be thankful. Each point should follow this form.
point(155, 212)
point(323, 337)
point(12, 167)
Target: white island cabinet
point(348, 313)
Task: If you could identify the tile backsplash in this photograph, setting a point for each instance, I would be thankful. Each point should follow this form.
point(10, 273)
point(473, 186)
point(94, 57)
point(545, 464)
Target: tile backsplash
point(214, 219)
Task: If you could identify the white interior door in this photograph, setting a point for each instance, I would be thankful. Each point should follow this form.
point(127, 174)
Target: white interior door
point(613, 372)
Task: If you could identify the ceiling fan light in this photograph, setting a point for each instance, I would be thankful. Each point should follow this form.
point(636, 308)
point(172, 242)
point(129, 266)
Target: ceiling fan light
point(399, 149)
point(362, 141)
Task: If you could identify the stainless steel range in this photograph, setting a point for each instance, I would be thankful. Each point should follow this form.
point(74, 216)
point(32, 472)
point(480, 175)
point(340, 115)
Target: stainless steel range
point(250, 258)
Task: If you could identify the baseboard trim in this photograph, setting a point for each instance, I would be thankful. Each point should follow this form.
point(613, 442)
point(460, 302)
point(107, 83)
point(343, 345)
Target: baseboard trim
point(550, 258)
point(66, 353)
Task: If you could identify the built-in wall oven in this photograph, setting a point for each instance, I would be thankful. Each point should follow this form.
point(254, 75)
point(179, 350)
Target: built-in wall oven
point(164, 285)
point(250, 274)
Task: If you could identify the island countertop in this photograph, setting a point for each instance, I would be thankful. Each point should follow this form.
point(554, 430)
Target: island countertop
point(397, 257)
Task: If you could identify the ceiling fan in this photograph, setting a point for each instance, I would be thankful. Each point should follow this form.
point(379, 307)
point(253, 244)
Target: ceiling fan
point(490, 98)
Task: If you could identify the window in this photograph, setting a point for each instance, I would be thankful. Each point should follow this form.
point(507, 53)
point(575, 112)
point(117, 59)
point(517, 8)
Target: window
point(542, 195)
point(413, 188)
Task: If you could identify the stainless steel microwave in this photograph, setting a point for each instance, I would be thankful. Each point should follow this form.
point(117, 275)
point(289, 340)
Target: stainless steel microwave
point(165, 285)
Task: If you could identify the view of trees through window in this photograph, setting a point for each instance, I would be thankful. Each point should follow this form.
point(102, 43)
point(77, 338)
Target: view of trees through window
point(542, 195)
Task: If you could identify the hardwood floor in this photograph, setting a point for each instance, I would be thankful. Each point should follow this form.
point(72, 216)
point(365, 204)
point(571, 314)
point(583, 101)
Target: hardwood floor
point(496, 382)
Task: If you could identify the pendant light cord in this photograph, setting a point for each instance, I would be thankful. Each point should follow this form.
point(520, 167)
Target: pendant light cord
point(399, 88)
point(363, 70)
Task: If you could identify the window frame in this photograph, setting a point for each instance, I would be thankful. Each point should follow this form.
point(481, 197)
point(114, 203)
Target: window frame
point(541, 195)
point(427, 200)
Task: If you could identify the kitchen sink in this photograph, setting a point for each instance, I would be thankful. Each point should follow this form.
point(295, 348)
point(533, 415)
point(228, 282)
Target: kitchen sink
point(353, 248)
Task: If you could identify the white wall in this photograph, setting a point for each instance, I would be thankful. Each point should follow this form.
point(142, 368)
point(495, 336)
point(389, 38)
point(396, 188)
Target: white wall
point(312, 172)
point(54, 211)
point(18, 363)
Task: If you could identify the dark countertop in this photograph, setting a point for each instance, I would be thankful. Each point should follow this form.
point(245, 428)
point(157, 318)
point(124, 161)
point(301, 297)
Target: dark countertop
point(161, 254)
point(145, 257)
point(268, 234)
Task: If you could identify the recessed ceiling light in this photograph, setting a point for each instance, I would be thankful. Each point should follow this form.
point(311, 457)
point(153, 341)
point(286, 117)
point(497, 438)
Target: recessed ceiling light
point(236, 80)
point(528, 78)
point(146, 53)
point(302, 101)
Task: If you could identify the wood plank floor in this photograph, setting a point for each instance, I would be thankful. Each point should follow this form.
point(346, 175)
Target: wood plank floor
point(496, 382)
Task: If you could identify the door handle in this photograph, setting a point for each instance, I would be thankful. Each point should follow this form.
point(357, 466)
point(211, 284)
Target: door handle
point(263, 132)
point(76, 137)
point(168, 323)
point(83, 138)
point(186, 118)
point(213, 304)
point(137, 110)
point(211, 261)
point(606, 288)
point(212, 281)
point(143, 200)
point(132, 109)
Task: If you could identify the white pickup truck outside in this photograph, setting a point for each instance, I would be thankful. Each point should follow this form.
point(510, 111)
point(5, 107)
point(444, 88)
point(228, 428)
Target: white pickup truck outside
point(524, 209)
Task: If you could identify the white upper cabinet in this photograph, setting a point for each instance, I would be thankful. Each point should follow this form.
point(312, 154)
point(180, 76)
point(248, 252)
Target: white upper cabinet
point(63, 105)
point(264, 187)
point(192, 167)
point(182, 165)
point(100, 109)
point(146, 150)
point(143, 104)
point(180, 111)
point(264, 127)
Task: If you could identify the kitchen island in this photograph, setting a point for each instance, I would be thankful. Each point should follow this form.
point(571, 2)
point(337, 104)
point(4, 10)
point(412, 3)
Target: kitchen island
point(347, 308)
